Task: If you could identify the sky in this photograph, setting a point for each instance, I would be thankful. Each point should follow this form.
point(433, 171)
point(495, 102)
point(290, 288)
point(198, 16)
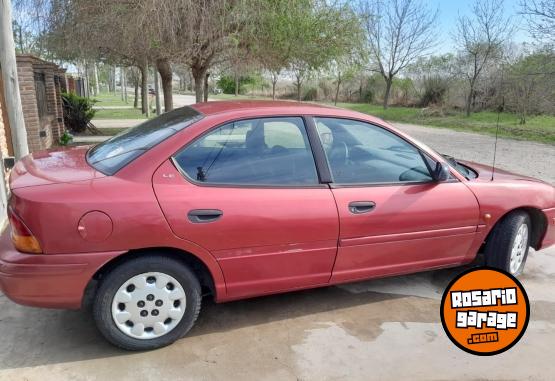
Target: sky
point(450, 9)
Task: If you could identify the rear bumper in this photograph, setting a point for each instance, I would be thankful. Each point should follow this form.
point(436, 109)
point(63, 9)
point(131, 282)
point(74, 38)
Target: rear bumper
point(47, 280)
point(549, 237)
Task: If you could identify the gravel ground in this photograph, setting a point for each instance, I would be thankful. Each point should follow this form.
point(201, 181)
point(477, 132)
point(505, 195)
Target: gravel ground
point(527, 158)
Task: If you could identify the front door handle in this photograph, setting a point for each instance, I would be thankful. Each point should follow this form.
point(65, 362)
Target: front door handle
point(360, 207)
point(202, 216)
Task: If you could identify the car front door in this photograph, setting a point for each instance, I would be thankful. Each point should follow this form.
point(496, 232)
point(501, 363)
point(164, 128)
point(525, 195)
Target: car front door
point(394, 217)
point(249, 193)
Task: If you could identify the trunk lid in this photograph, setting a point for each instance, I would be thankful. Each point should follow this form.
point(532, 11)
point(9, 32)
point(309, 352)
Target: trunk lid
point(60, 165)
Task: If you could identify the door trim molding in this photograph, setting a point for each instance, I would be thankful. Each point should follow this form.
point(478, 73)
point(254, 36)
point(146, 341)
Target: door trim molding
point(367, 240)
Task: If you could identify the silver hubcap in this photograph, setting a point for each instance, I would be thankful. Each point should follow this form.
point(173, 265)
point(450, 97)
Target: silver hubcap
point(149, 305)
point(519, 248)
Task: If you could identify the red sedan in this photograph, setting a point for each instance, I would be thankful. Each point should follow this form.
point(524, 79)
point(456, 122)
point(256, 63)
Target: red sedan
point(240, 199)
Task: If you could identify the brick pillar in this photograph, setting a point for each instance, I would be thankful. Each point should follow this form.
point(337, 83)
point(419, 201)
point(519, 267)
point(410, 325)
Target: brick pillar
point(25, 75)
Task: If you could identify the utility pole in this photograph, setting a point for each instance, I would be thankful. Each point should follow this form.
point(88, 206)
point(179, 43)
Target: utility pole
point(11, 84)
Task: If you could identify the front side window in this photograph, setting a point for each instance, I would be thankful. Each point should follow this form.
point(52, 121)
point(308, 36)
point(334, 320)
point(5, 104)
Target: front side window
point(361, 153)
point(267, 151)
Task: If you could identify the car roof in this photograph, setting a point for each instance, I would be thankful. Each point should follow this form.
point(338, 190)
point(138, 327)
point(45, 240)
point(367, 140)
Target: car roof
point(218, 107)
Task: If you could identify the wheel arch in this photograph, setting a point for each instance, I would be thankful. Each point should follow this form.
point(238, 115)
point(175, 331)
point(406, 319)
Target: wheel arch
point(537, 219)
point(210, 279)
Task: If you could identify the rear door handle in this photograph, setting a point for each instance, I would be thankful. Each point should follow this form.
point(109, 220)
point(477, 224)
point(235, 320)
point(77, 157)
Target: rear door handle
point(202, 216)
point(360, 207)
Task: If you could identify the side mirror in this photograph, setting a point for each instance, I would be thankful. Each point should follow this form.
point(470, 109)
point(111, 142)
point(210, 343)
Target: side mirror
point(441, 172)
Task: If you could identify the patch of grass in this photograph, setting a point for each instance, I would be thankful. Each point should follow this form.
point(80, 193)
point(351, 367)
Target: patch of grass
point(537, 128)
point(111, 99)
point(110, 131)
point(232, 97)
point(120, 113)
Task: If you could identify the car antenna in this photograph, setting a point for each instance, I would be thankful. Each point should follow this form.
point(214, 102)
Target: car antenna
point(499, 111)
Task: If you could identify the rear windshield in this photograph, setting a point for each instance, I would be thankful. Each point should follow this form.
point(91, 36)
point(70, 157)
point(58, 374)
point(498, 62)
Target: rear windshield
point(115, 153)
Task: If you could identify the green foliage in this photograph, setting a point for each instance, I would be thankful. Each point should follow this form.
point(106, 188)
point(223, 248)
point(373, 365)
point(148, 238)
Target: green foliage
point(227, 83)
point(66, 139)
point(311, 94)
point(435, 89)
point(78, 112)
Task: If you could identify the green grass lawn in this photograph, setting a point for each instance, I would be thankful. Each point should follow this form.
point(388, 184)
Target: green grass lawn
point(111, 99)
point(537, 128)
point(122, 113)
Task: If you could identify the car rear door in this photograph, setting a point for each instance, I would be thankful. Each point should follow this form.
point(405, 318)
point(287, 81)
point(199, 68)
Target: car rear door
point(249, 192)
point(394, 217)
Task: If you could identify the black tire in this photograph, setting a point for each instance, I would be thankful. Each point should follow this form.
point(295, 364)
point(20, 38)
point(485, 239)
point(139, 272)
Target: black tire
point(500, 243)
point(111, 282)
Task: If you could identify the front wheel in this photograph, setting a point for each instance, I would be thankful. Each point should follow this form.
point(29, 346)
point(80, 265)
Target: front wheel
point(147, 303)
point(507, 248)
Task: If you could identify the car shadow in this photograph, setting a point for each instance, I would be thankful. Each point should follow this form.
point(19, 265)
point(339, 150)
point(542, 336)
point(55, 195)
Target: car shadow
point(32, 336)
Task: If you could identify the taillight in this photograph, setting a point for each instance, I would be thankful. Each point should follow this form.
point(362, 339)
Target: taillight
point(22, 237)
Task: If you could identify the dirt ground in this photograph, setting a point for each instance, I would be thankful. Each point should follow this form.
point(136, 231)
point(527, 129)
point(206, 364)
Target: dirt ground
point(385, 329)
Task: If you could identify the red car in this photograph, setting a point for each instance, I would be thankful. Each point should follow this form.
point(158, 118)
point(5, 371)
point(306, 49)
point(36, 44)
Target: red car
point(241, 199)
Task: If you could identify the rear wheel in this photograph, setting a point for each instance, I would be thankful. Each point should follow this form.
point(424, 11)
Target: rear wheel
point(509, 243)
point(147, 303)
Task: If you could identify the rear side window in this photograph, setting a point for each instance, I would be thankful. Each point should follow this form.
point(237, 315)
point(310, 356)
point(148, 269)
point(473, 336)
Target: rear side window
point(267, 151)
point(115, 153)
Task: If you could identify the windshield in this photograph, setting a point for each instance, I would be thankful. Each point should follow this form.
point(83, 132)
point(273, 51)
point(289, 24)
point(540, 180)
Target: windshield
point(115, 153)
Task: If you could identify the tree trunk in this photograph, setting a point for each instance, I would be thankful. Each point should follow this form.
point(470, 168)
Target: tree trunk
point(157, 92)
point(136, 80)
point(275, 77)
point(206, 87)
point(87, 86)
point(198, 75)
point(10, 81)
point(165, 70)
point(388, 83)
point(121, 83)
point(468, 104)
point(96, 84)
point(125, 84)
point(114, 79)
point(337, 89)
point(298, 84)
point(236, 85)
point(144, 89)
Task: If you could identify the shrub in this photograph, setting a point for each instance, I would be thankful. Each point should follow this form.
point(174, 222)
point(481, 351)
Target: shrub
point(311, 94)
point(78, 112)
point(66, 139)
point(227, 84)
point(435, 89)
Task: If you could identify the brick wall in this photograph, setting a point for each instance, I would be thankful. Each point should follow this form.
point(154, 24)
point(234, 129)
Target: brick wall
point(44, 81)
point(26, 76)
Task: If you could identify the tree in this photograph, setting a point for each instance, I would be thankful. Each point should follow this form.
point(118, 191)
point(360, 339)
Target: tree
point(397, 33)
point(529, 84)
point(196, 33)
point(301, 36)
point(480, 38)
point(540, 15)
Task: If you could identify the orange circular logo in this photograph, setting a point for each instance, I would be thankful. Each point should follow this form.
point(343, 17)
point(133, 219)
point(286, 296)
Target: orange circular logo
point(485, 311)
